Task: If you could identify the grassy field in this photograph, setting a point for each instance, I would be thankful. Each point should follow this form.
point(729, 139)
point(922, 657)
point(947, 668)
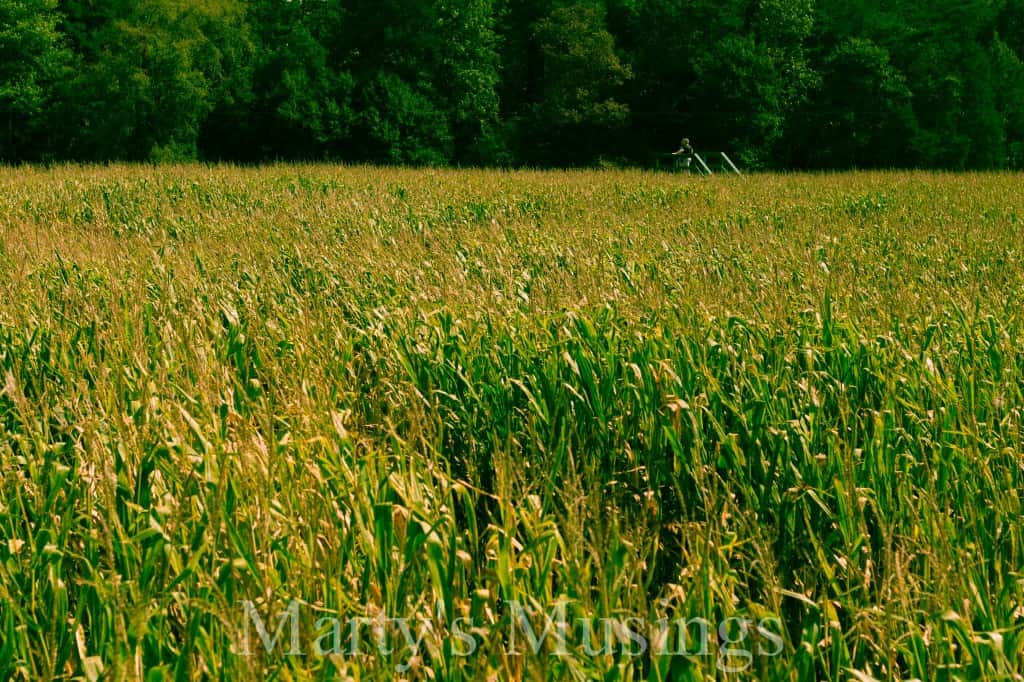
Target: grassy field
point(781, 416)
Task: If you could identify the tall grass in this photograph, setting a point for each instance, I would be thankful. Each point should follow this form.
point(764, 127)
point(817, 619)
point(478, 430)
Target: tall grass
point(435, 394)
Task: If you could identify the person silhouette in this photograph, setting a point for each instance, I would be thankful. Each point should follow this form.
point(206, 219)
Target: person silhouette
point(684, 153)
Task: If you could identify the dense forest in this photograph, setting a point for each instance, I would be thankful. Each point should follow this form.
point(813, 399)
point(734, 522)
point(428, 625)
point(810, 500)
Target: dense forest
point(801, 84)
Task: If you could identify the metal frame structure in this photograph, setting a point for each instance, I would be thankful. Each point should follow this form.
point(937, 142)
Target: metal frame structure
point(701, 166)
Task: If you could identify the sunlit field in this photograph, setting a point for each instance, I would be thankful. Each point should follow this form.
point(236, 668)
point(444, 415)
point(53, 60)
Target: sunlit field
point(407, 423)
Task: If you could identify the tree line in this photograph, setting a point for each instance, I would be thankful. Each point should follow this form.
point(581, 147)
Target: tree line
point(803, 84)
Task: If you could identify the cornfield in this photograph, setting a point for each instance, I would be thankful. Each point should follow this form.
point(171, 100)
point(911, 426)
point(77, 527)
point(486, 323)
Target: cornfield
point(297, 396)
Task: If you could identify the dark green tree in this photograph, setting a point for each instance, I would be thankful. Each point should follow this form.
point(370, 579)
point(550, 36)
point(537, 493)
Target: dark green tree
point(727, 74)
point(942, 48)
point(146, 75)
point(581, 75)
point(425, 75)
point(562, 81)
point(860, 115)
point(781, 83)
point(299, 106)
point(1009, 70)
point(33, 59)
point(469, 77)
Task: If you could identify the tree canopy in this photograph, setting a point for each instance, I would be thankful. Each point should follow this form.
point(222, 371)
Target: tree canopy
point(780, 83)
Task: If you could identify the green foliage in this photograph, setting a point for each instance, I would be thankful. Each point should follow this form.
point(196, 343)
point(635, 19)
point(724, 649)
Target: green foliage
point(580, 73)
point(861, 113)
point(146, 74)
point(425, 78)
point(1009, 70)
point(469, 79)
point(402, 124)
point(777, 83)
point(300, 93)
point(32, 60)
